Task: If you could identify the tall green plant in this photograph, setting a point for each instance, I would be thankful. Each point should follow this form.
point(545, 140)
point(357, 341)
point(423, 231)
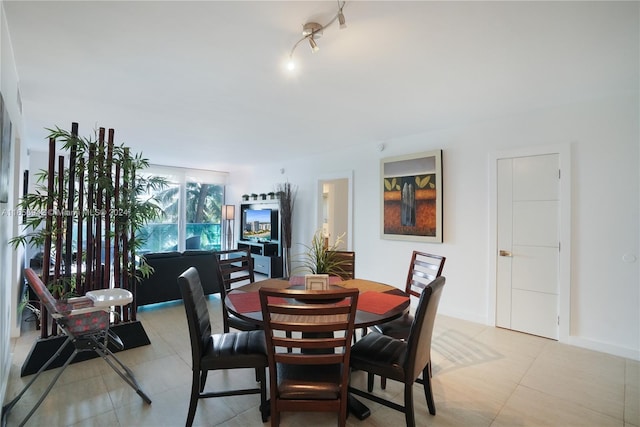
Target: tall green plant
point(319, 259)
point(134, 207)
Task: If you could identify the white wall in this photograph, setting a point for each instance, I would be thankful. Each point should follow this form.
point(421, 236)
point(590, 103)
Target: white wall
point(10, 269)
point(603, 136)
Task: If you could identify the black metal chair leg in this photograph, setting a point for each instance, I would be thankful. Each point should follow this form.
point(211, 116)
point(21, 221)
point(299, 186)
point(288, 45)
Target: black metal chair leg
point(127, 376)
point(7, 408)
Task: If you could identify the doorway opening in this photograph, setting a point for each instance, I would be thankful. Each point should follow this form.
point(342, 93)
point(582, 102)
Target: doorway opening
point(335, 207)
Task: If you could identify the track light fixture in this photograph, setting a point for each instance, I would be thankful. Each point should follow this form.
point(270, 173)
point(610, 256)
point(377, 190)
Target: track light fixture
point(312, 31)
point(314, 45)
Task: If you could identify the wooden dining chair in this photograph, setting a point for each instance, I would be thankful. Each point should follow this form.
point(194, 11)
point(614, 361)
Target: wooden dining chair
point(344, 264)
point(402, 360)
point(423, 269)
point(308, 371)
point(209, 352)
point(235, 268)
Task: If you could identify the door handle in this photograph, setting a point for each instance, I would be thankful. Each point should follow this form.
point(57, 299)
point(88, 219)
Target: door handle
point(505, 253)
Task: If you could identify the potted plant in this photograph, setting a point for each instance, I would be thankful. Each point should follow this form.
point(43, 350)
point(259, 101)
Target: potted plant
point(318, 258)
point(272, 195)
point(245, 197)
point(263, 196)
point(90, 210)
point(254, 196)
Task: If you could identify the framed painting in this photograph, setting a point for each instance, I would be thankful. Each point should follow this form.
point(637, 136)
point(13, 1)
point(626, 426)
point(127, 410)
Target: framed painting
point(5, 151)
point(412, 197)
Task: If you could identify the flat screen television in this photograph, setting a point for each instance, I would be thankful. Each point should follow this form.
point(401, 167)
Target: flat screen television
point(256, 224)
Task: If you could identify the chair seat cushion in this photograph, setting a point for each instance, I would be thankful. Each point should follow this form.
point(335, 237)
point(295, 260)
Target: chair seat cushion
point(309, 381)
point(235, 350)
point(398, 328)
point(83, 323)
point(380, 355)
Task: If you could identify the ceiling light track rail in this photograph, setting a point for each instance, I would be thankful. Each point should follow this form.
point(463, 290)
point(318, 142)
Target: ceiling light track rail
point(313, 30)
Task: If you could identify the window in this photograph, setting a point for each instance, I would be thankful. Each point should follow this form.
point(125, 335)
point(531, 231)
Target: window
point(191, 206)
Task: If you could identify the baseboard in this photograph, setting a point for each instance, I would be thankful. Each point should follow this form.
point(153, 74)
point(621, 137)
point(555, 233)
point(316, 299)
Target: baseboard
point(132, 335)
point(627, 353)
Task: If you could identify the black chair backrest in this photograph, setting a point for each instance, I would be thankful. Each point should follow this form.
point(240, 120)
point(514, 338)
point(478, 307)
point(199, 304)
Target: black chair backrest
point(195, 305)
point(423, 269)
point(419, 341)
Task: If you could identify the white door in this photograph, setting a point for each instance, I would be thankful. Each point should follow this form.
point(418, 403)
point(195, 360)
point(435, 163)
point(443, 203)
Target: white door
point(528, 244)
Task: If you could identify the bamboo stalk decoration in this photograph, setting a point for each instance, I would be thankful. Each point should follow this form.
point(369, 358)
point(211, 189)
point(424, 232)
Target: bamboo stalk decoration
point(117, 282)
point(108, 167)
point(58, 290)
point(125, 243)
point(46, 256)
point(132, 248)
point(96, 195)
point(68, 229)
point(90, 245)
point(98, 218)
point(80, 284)
point(287, 198)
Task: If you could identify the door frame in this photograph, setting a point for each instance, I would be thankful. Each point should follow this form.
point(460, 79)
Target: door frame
point(348, 175)
point(564, 260)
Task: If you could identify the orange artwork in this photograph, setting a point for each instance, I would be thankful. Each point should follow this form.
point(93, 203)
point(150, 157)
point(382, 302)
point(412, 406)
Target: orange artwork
point(412, 203)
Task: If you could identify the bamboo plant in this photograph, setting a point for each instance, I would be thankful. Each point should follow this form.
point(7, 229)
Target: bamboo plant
point(100, 194)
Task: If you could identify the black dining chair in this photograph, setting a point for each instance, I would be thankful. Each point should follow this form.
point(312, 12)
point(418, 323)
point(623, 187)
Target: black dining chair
point(308, 346)
point(209, 352)
point(423, 269)
point(401, 360)
point(235, 267)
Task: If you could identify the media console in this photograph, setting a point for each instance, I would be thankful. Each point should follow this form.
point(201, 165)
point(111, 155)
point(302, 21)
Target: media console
point(266, 258)
point(260, 233)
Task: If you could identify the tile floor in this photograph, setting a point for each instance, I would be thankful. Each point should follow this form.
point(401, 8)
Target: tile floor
point(483, 376)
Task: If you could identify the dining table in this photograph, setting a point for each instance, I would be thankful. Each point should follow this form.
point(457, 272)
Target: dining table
point(377, 303)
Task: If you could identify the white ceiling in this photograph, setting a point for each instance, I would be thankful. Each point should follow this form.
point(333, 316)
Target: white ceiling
point(203, 84)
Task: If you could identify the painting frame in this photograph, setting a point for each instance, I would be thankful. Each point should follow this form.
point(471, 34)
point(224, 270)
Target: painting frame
point(411, 197)
point(5, 151)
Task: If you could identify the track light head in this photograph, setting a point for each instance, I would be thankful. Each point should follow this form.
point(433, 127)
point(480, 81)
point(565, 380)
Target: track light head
point(314, 45)
point(341, 20)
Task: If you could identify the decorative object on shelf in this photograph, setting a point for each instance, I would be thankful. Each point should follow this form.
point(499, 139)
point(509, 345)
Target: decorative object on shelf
point(245, 197)
point(272, 195)
point(228, 215)
point(311, 31)
point(287, 194)
point(263, 196)
point(254, 196)
point(412, 197)
point(92, 214)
